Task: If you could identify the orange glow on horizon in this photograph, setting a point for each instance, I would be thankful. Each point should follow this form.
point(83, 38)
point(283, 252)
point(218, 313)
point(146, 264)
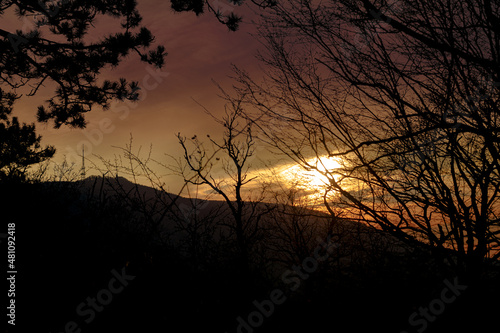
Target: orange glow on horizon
point(314, 177)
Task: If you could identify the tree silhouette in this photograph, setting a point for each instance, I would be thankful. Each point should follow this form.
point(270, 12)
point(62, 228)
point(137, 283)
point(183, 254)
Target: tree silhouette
point(232, 156)
point(19, 145)
point(231, 20)
point(407, 94)
point(56, 50)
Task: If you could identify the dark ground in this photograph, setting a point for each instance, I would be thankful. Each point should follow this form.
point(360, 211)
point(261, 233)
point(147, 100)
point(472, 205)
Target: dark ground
point(68, 246)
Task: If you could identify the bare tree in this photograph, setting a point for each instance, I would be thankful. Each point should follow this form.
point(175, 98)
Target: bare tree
point(152, 203)
point(407, 95)
point(230, 158)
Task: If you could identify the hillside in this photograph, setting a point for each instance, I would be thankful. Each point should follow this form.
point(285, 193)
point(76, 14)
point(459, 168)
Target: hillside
point(187, 270)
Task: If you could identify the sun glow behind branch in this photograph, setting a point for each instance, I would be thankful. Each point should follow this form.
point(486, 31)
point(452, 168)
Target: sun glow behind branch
point(312, 178)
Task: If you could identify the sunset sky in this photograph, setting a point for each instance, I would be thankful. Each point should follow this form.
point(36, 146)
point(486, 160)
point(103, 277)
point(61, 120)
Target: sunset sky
point(200, 50)
point(322, 146)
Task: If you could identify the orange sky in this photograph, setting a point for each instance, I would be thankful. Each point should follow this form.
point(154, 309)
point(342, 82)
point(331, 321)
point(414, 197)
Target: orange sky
point(199, 49)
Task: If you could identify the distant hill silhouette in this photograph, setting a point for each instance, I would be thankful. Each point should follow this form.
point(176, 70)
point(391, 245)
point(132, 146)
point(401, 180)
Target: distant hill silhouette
point(71, 235)
point(96, 185)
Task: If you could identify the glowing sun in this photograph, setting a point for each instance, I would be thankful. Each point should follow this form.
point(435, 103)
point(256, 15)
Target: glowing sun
point(312, 176)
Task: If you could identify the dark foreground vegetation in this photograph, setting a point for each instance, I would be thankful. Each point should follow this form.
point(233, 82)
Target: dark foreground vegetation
point(183, 272)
